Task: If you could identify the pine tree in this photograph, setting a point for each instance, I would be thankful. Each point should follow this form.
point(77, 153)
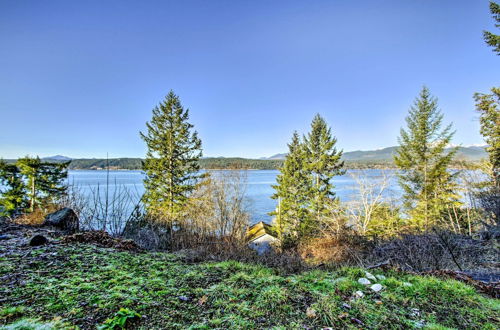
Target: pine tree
point(494, 39)
point(292, 192)
point(488, 194)
point(12, 195)
point(29, 168)
point(51, 181)
point(488, 105)
point(427, 184)
point(324, 162)
point(44, 180)
point(171, 164)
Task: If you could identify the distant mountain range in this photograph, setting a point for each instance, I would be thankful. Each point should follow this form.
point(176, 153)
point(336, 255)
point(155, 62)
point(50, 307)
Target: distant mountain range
point(57, 158)
point(381, 158)
point(471, 153)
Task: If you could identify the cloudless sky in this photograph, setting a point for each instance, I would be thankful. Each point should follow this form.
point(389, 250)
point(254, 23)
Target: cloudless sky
point(80, 78)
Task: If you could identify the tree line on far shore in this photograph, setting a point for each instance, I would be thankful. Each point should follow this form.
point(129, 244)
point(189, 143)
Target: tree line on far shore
point(230, 163)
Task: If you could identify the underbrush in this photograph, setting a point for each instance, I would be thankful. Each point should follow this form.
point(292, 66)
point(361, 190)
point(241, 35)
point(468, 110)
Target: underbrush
point(86, 285)
point(37, 217)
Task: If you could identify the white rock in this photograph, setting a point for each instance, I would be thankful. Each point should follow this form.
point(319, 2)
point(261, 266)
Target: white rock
point(364, 281)
point(376, 287)
point(370, 276)
point(359, 294)
point(407, 284)
point(381, 277)
point(419, 324)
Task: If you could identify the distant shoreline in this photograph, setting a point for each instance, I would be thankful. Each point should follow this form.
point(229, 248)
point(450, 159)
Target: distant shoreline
point(375, 159)
point(353, 166)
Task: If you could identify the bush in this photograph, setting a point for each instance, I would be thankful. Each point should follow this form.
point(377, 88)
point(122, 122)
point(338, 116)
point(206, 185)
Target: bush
point(431, 251)
point(344, 248)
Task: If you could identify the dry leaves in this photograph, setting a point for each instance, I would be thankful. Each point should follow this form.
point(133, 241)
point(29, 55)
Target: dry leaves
point(310, 312)
point(202, 300)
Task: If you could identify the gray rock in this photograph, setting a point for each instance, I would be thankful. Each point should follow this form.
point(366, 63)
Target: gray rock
point(419, 324)
point(376, 287)
point(415, 312)
point(364, 281)
point(359, 294)
point(65, 219)
point(370, 276)
point(407, 284)
point(380, 277)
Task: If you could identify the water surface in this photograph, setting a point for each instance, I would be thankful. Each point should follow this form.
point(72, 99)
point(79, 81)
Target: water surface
point(258, 189)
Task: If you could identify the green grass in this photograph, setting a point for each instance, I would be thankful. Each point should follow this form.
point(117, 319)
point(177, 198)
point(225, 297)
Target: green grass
point(84, 285)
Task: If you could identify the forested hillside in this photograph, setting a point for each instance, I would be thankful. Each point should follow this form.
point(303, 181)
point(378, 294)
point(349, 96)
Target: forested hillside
point(381, 158)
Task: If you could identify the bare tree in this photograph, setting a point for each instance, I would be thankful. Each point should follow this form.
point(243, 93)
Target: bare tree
point(103, 209)
point(219, 206)
point(371, 193)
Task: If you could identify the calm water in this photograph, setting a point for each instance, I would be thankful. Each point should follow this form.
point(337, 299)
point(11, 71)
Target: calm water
point(258, 188)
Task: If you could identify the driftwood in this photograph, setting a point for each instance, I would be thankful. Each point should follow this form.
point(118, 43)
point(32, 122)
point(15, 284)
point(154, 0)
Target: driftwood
point(385, 264)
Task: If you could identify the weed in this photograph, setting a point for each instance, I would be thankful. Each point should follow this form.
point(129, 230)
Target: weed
point(119, 321)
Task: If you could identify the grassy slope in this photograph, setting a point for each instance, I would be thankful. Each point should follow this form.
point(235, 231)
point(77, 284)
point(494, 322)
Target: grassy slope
point(84, 285)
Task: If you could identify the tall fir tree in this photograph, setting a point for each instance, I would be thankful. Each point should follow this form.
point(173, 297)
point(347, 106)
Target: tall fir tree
point(52, 180)
point(323, 163)
point(12, 189)
point(488, 105)
point(172, 160)
point(292, 192)
point(488, 194)
point(45, 181)
point(490, 38)
point(30, 169)
point(427, 184)
point(32, 183)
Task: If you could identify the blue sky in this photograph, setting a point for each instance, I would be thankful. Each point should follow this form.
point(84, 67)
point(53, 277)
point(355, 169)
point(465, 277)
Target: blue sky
point(80, 78)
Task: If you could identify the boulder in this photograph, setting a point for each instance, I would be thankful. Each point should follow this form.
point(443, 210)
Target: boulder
point(376, 287)
point(38, 240)
point(364, 281)
point(65, 219)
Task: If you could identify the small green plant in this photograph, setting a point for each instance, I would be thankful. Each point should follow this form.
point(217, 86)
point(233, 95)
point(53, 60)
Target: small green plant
point(11, 311)
point(120, 319)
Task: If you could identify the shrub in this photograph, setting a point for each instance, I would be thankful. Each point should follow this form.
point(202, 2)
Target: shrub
point(119, 321)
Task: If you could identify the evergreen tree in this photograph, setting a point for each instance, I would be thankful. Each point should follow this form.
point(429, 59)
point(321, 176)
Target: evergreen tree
point(428, 186)
point(494, 39)
point(52, 181)
point(488, 105)
point(292, 192)
point(324, 162)
point(30, 168)
point(12, 195)
point(44, 180)
point(488, 194)
point(171, 165)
